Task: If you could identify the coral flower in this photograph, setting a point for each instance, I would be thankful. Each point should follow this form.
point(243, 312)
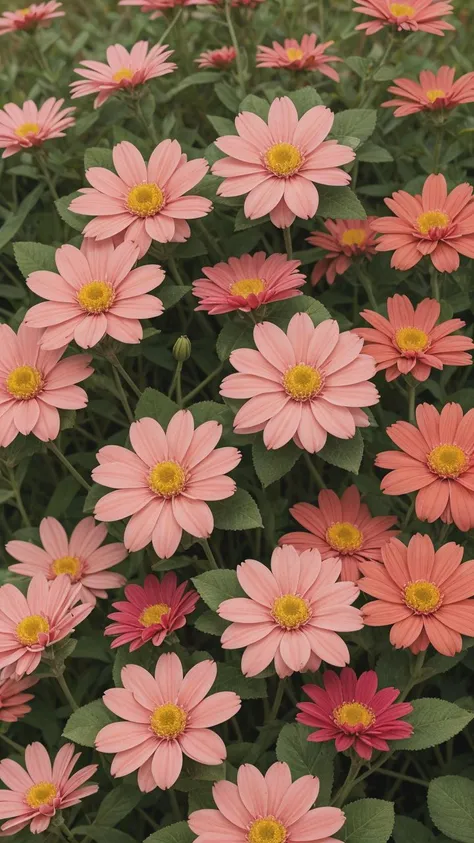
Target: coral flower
point(27, 126)
point(434, 91)
point(347, 240)
point(80, 557)
point(143, 202)
point(13, 698)
point(437, 461)
point(277, 163)
point(35, 383)
point(295, 55)
point(422, 594)
point(124, 70)
point(351, 712)
point(342, 529)
point(156, 7)
point(151, 612)
point(414, 16)
point(165, 716)
point(37, 14)
point(408, 341)
point(302, 384)
point(221, 58)
point(165, 481)
point(292, 613)
point(35, 795)
point(96, 292)
point(247, 282)
point(436, 224)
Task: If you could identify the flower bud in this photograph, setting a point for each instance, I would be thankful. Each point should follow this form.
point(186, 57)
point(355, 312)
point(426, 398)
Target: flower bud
point(182, 349)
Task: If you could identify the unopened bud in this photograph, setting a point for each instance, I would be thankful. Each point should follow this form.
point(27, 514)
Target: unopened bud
point(182, 349)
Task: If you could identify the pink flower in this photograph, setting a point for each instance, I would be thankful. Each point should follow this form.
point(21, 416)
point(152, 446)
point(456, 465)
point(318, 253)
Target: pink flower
point(165, 716)
point(81, 558)
point(302, 384)
point(342, 529)
point(97, 292)
point(35, 795)
point(34, 383)
point(422, 594)
point(292, 613)
point(124, 70)
point(408, 341)
point(143, 203)
point(13, 698)
point(165, 481)
point(437, 461)
point(295, 55)
point(156, 7)
point(436, 224)
point(38, 14)
point(247, 282)
point(351, 712)
point(221, 58)
point(27, 126)
point(277, 163)
point(414, 16)
point(346, 241)
point(268, 807)
point(151, 612)
point(435, 91)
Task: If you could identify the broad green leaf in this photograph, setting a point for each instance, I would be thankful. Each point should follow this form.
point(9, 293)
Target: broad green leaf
point(451, 807)
point(256, 105)
point(222, 125)
point(358, 64)
point(307, 758)
point(234, 335)
point(104, 834)
point(345, 453)
point(84, 724)
point(240, 512)
point(368, 821)
point(434, 721)
point(304, 99)
point(117, 804)
point(205, 411)
point(33, 256)
point(393, 669)
point(170, 293)
point(228, 96)
point(75, 221)
point(97, 156)
point(176, 833)
point(281, 312)
point(217, 586)
point(407, 830)
point(373, 153)
point(272, 465)
point(358, 122)
point(210, 623)
point(339, 203)
point(95, 493)
point(14, 222)
point(155, 405)
point(231, 678)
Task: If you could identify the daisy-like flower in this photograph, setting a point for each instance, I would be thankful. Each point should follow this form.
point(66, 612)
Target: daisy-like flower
point(276, 163)
point(35, 383)
point(33, 796)
point(422, 594)
point(22, 127)
point(151, 612)
point(436, 224)
point(96, 292)
point(351, 712)
point(165, 481)
point(124, 70)
point(13, 698)
point(37, 14)
point(434, 91)
point(347, 240)
point(408, 341)
point(247, 282)
point(292, 614)
point(342, 529)
point(302, 384)
point(165, 716)
point(414, 16)
point(296, 55)
point(143, 202)
point(155, 8)
point(221, 58)
point(437, 461)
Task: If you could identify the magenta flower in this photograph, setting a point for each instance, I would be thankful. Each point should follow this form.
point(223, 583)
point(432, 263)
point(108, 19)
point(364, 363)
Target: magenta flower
point(27, 126)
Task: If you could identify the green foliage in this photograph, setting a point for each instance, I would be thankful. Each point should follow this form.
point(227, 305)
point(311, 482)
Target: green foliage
point(345, 453)
point(176, 833)
point(33, 256)
point(240, 512)
point(306, 758)
point(217, 586)
point(407, 830)
point(84, 724)
point(451, 806)
point(434, 721)
point(156, 405)
point(368, 821)
point(272, 465)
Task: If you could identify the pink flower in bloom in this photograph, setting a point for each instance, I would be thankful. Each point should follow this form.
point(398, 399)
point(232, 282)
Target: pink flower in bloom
point(347, 240)
point(38, 14)
point(35, 795)
point(165, 716)
point(422, 594)
point(436, 224)
point(342, 529)
point(151, 612)
point(434, 91)
point(247, 282)
point(221, 58)
point(414, 16)
point(292, 613)
point(124, 70)
point(165, 481)
point(437, 461)
point(156, 7)
point(35, 383)
point(408, 341)
point(302, 384)
point(277, 163)
point(81, 558)
point(296, 55)
point(351, 712)
point(27, 126)
point(13, 698)
point(97, 292)
point(143, 202)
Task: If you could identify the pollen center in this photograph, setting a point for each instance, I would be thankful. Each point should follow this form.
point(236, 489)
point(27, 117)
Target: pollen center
point(24, 382)
point(248, 287)
point(123, 73)
point(402, 10)
point(353, 715)
point(290, 611)
point(25, 11)
point(431, 222)
point(422, 596)
point(27, 129)
point(283, 159)
point(294, 53)
point(168, 721)
point(353, 237)
point(266, 830)
point(42, 793)
point(302, 382)
point(167, 479)
point(412, 339)
point(344, 536)
point(153, 614)
point(30, 628)
point(435, 94)
point(96, 296)
point(145, 200)
point(448, 460)
point(66, 565)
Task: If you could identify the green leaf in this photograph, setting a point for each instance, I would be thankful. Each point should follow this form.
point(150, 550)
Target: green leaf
point(155, 405)
point(281, 312)
point(307, 758)
point(176, 833)
point(170, 294)
point(304, 99)
point(234, 335)
point(205, 411)
point(358, 64)
point(241, 222)
point(210, 623)
point(339, 203)
point(345, 453)
point(117, 804)
point(84, 724)
point(227, 95)
point(451, 806)
point(407, 830)
point(256, 105)
point(393, 669)
point(240, 512)
point(14, 222)
point(358, 122)
point(103, 834)
point(97, 156)
point(222, 125)
point(373, 153)
point(75, 221)
point(368, 821)
point(33, 256)
point(203, 78)
point(230, 678)
point(434, 721)
point(217, 586)
point(271, 465)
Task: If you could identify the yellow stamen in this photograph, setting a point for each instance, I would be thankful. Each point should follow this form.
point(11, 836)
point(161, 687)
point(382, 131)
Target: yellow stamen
point(435, 94)
point(167, 479)
point(42, 793)
point(145, 200)
point(353, 237)
point(344, 536)
point(123, 73)
point(354, 714)
point(290, 611)
point(412, 339)
point(66, 565)
point(96, 296)
point(247, 287)
point(153, 614)
point(448, 460)
point(294, 53)
point(302, 382)
point(24, 382)
point(25, 11)
point(30, 628)
point(422, 596)
point(267, 830)
point(402, 10)
point(283, 159)
point(27, 129)
point(168, 721)
point(431, 220)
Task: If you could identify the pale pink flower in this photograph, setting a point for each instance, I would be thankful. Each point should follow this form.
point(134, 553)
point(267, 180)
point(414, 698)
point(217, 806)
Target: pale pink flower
point(37, 14)
point(155, 8)
point(413, 16)
point(220, 58)
point(13, 698)
point(346, 241)
point(276, 163)
point(165, 717)
point(435, 91)
point(22, 127)
point(296, 55)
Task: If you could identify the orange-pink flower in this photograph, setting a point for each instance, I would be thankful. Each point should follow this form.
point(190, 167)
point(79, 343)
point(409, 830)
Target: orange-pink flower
point(299, 55)
point(27, 126)
point(413, 16)
point(221, 58)
point(435, 91)
point(13, 698)
point(37, 14)
point(347, 240)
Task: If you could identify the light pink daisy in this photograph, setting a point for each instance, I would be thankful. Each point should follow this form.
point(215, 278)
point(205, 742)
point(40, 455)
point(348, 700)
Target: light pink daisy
point(247, 282)
point(414, 16)
point(13, 698)
point(292, 614)
point(165, 481)
point(346, 241)
point(435, 91)
point(165, 716)
point(151, 612)
point(296, 55)
point(155, 8)
point(276, 163)
point(37, 14)
point(143, 202)
point(302, 384)
point(220, 58)
point(27, 126)
point(34, 795)
point(97, 292)
point(35, 383)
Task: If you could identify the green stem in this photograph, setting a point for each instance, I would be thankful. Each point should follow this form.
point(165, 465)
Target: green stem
point(277, 701)
point(408, 516)
point(147, 124)
point(213, 244)
point(365, 101)
point(209, 554)
point(174, 805)
point(68, 835)
point(437, 148)
point(321, 19)
point(313, 471)
point(12, 744)
point(189, 397)
point(366, 282)
point(40, 157)
point(175, 271)
point(444, 533)
point(235, 44)
point(288, 243)
point(435, 284)
point(412, 779)
point(123, 397)
point(67, 693)
point(416, 672)
point(349, 783)
point(18, 498)
point(171, 25)
point(126, 377)
point(54, 448)
point(176, 385)
point(411, 393)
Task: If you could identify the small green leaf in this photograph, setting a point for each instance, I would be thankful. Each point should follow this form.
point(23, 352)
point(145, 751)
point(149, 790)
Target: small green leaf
point(373, 153)
point(307, 758)
point(176, 833)
point(272, 465)
point(240, 512)
point(117, 804)
point(170, 294)
point(84, 724)
point(75, 221)
point(97, 156)
point(217, 586)
point(407, 830)
point(155, 405)
point(339, 203)
point(434, 721)
point(358, 122)
point(94, 494)
point(256, 105)
point(227, 95)
point(210, 623)
point(33, 256)
point(345, 453)
point(368, 821)
point(358, 64)
point(222, 125)
point(451, 807)
point(205, 411)
point(234, 335)
point(281, 312)
point(304, 99)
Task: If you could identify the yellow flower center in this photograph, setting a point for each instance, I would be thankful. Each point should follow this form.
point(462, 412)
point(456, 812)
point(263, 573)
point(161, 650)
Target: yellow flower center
point(402, 10)
point(302, 382)
point(123, 73)
point(290, 611)
point(25, 11)
point(27, 129)
point(353, 237)
point(344, 536)
point(266, 830)
point(168, 721)
point(354, 714)
point(30, 628)
point(167, 479)
point(283, 159)
point(96, 296)
point(24, 382)
point(66, 565)
point(431, 220)
point(412, 339)
point(42, 793)
point(145, 200)
point(448, 460)
point(153, 614)
point(248, 287)
point(435, 94)
point(422, 596)
point(294, 53)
